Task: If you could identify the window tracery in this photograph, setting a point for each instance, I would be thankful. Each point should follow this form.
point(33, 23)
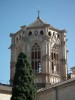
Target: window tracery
point(54, 60)
point(35, 58)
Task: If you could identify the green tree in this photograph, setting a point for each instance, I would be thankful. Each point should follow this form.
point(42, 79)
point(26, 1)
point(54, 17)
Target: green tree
point(23, 82)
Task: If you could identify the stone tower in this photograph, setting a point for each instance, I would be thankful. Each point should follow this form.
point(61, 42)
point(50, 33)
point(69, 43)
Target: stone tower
point(45, 46)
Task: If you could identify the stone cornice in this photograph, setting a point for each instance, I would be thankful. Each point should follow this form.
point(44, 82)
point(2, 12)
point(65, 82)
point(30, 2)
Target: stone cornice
point(58, 30)
point(59, 85)
point(37, 27)
point(6, 89)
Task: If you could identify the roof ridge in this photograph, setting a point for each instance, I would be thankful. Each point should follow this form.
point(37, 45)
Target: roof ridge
point(38, 19)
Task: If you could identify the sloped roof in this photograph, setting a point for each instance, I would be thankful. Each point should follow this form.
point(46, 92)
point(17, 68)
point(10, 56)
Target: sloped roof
point(38, 22)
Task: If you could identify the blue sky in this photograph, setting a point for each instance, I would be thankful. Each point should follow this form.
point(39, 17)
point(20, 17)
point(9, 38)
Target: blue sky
point(15, 13)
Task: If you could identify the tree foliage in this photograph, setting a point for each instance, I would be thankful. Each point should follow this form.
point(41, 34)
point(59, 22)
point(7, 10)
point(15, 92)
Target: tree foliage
point(23, 82)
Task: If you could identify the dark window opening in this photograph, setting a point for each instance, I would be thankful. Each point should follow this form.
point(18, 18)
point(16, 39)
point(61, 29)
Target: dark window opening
point(17, 39)
point(53, 33)
point(49, 33)
point(23, 31)
point(36, 67)
point(52, 67)
point(39, 56)
point(32, 56)
point(58, 36)
point(30, 33)
point(35, 54)
point(32, 65)
point(35, 43)
point(52, 55)
point(41, 32)
point(39, 63)
point(20, 36)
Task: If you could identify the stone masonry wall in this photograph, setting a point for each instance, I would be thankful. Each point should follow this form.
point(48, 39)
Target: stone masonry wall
point(5, 92)
point(61, 91)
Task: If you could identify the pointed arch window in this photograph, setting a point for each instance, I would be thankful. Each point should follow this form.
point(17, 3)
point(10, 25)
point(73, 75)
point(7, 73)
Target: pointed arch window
point(54, 60)
point(36, 58)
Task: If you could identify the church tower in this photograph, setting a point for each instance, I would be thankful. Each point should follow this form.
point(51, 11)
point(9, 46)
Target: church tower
point(45, 47)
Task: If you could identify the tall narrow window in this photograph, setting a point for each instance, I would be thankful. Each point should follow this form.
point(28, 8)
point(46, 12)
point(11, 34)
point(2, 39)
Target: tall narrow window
point(32, 65)
point(57, 56)
point(41, 32)
point(49, 33)
point(54, 59)
point(32, 56)
point(36, 58)
point(52, 67)
point(36, 66)
point(30, 33)
point(17, 39)
point(58, 35)
point(39, 56)
point(52, 55)
point(35, 54)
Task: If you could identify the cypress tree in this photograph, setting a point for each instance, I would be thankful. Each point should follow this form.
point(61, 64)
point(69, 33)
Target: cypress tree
point(23, 82)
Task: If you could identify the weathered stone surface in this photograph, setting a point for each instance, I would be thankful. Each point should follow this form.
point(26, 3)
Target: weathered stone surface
point(50, 42)
point(61, 91)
